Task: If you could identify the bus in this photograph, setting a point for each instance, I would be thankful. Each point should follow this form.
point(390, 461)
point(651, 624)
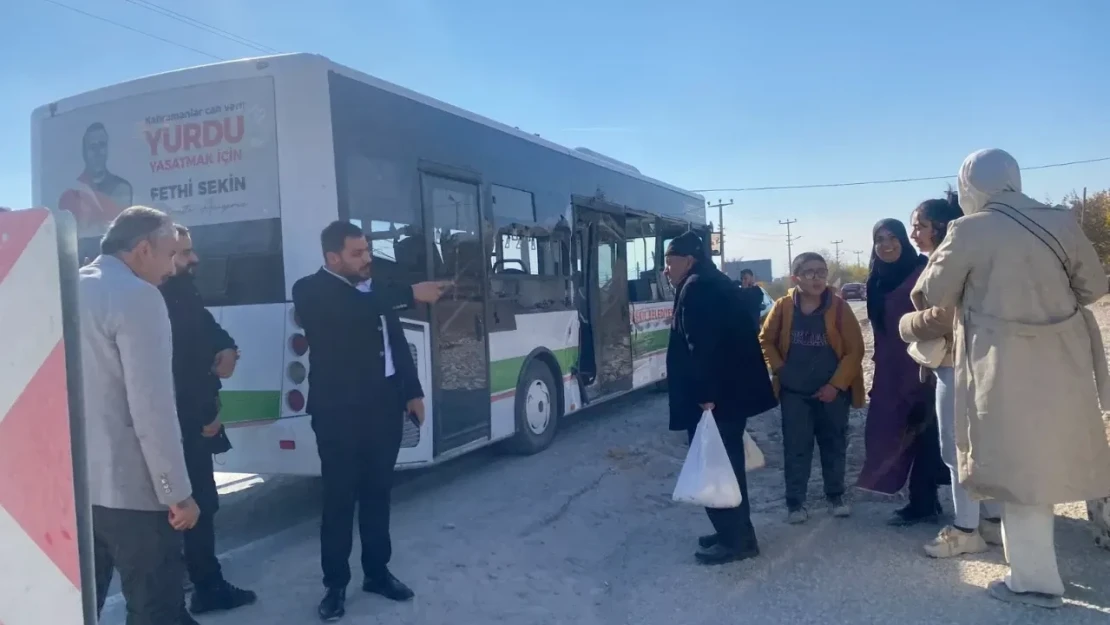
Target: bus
point(556, 254)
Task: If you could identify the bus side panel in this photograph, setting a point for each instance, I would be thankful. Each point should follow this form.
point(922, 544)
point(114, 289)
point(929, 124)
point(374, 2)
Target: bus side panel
point(651, 331)
point(555, 331)
point(416, 444)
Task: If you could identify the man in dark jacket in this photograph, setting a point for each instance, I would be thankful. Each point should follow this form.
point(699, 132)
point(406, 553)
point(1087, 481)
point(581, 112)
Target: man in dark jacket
point(751, 296)
point(363, 382)
point(202, 353)
point(714, 362)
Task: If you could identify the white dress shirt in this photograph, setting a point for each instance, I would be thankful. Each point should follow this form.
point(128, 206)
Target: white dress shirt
point(365, 288)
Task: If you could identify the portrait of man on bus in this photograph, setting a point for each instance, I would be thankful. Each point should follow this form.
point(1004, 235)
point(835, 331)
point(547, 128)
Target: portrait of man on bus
point(98, 195)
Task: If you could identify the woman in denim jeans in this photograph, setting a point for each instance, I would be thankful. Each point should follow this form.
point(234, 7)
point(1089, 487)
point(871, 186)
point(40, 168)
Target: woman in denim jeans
point(966, 534)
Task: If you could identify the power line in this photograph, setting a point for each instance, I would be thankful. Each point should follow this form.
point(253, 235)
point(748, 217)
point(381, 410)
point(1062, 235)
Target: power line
point(195, 23)
point(837, 244)
point(889, 181)
point(134, 30)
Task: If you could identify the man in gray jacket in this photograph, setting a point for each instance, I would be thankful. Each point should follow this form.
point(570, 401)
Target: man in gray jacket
point(138, 484)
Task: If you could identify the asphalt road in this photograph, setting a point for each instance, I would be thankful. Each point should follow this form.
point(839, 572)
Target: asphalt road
point(586, 532)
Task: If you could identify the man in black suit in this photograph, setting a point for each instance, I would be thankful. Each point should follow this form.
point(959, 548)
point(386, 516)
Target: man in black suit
point(362, 382)
point(715, 363)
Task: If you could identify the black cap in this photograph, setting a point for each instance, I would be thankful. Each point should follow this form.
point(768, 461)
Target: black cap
point(686, 244)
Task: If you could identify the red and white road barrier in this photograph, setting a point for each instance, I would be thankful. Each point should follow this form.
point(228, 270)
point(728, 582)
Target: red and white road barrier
point(44, 530)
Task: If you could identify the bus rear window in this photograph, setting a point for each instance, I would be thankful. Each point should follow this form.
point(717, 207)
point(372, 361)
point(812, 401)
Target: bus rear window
point(240, 262)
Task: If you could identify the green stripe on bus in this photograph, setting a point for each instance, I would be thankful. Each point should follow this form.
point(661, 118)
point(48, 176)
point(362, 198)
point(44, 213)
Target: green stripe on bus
point(504, 374)
point(650, 342)
point(241, 406)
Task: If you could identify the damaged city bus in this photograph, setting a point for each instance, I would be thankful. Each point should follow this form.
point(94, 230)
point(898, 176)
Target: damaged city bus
point(556, 254)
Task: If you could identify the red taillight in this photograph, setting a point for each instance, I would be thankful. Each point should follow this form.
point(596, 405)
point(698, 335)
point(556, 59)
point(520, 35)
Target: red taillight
point(296, 372)
point(287, 445)
point(295, 400)
point(299, 344)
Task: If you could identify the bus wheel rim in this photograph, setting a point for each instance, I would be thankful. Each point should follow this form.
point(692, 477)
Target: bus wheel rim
point(537, 407)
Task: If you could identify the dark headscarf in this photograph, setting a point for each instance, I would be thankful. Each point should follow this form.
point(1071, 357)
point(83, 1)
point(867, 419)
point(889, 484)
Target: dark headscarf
point(882, 277)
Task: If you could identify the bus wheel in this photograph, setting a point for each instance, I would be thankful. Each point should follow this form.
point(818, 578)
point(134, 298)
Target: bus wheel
point(537, 410)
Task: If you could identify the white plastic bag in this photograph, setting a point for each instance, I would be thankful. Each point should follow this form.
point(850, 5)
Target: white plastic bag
point(753, 455)
point(707, 478)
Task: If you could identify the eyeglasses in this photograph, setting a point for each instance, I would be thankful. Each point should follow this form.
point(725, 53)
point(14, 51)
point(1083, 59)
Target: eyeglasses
point(814, 274)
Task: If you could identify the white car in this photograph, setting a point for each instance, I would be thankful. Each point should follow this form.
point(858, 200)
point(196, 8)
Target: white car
point(765, 308)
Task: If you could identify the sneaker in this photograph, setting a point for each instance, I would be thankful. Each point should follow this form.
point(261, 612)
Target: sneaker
point(221, 598)
point(952, 542)
point(797, 516)
point(999, 590)
point(991, 531)
point(839, 508)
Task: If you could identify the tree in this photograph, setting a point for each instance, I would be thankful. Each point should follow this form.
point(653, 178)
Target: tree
point(1094, 218)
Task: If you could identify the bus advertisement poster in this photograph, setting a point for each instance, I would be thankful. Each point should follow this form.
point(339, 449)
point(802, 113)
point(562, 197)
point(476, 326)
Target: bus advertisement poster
point(205, 154)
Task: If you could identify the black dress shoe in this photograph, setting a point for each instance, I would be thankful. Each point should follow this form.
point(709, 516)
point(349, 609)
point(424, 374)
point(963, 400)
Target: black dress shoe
point(722, 554)
point(334, 604)
point(221, 598)
point(388, 586)
point(707, 541)
point(909, 515)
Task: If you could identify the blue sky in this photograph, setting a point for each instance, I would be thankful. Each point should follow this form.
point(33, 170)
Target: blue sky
point(702, 94)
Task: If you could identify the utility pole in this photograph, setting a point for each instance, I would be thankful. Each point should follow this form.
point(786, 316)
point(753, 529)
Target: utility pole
point(720, 206)
point(858, 253)
point(837, 244)
point(789, 242)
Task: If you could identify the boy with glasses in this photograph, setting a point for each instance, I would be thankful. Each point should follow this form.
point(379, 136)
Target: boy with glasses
point(814, 347)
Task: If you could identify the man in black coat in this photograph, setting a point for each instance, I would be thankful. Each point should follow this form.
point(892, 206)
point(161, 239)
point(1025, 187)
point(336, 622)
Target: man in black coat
point(714, 362)
point(363, 382)
point(202, 353)
point(751, 296)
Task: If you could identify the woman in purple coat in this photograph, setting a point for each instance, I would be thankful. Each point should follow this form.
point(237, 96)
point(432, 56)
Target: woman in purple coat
point(901, 436)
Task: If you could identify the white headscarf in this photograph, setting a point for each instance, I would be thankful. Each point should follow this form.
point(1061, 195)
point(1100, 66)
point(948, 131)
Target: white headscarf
point(985, 174)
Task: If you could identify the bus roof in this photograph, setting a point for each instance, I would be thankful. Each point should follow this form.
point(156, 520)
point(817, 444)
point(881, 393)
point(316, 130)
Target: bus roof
point(279, 63)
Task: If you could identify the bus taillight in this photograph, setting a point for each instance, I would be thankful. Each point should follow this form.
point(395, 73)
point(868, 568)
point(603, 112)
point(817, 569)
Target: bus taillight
point(295, 400)
point(299, 344)
point(296, 372)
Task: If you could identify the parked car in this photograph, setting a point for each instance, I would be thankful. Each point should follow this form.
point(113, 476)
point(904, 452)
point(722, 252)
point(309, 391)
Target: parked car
point(853, 290)
point(765, 307)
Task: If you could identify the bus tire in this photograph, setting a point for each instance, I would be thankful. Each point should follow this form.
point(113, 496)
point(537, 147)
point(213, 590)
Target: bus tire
point(537, 410)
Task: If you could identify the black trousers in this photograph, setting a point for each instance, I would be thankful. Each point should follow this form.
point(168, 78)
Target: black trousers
point(733, 525)
point(200, 542)
point(928, 471)
point(146, 551)
point(806, 420)
point(358, 450)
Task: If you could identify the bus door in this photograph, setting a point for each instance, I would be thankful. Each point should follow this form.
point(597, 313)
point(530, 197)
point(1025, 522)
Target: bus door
point(460, 355)
point(605, 344)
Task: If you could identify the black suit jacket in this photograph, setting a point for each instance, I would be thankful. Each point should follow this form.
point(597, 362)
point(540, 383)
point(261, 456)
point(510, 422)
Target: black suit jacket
point(346, 357)
point(714, 354)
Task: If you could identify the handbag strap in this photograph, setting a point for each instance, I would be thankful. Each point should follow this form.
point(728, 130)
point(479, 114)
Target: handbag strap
point(1021, 219)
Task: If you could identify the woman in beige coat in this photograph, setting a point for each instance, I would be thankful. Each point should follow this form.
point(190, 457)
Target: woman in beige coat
point(1029, 363)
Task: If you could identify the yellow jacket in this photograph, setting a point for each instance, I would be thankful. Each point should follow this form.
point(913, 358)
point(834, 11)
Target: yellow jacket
point(844, 334)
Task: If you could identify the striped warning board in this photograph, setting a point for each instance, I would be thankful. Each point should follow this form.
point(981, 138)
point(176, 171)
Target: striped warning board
point(40, 544)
